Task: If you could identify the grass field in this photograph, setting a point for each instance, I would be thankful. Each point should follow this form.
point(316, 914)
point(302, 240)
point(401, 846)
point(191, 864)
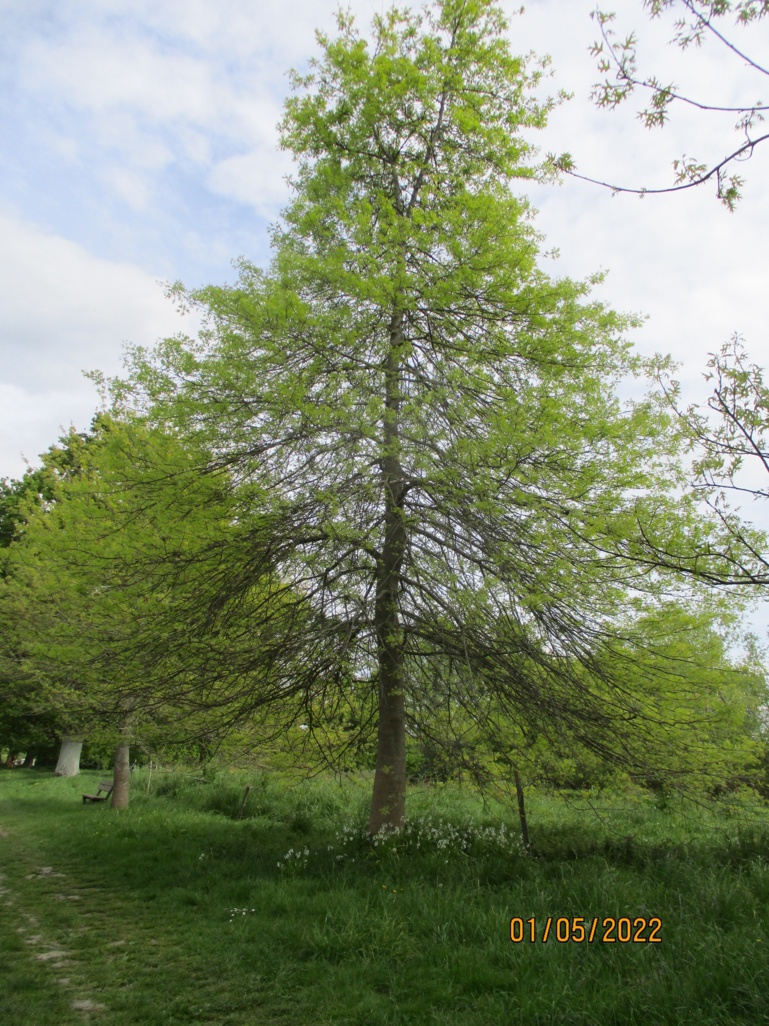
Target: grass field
point(173, 912)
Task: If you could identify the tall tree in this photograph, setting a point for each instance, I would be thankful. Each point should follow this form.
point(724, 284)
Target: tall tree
point(421, 429)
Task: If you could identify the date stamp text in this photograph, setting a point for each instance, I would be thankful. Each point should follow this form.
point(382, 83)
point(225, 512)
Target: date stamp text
point(578, 930)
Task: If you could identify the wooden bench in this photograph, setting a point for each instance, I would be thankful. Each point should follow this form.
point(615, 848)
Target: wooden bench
point(104, 785)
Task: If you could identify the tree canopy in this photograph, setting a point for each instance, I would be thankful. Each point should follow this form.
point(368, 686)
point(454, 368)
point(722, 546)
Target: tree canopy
point(85, 619)
point(418, 432)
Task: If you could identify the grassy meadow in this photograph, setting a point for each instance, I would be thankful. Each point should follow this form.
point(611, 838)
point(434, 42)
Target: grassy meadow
point(176, 912)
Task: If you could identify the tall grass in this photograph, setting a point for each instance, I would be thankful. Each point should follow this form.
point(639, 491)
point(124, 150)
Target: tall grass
point(174, 911)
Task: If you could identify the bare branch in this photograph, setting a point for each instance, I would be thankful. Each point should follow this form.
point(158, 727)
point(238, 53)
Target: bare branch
point(727, 190)
point(618, 56)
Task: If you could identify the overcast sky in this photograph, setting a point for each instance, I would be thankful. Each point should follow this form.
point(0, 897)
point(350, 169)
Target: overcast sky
point(139, 146)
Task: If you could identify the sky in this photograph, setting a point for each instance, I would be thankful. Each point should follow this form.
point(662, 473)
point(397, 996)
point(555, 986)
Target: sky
point(138, 145)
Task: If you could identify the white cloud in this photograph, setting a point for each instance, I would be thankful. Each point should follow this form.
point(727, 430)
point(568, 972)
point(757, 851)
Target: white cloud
point(31, 420)
point(134, 189)
point(255, 179)
point(96, 70)
point(63, 311)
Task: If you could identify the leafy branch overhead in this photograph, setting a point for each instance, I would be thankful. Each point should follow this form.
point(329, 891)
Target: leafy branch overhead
point(618, 63)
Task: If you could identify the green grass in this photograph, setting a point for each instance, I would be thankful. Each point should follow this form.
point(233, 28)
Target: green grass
point(172, 912)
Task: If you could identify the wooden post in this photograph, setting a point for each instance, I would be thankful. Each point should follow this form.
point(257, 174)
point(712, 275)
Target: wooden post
point(521, 810)
point(243, 803)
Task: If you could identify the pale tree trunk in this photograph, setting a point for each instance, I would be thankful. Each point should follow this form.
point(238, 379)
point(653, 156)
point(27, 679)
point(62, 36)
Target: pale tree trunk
point(121, 780)
point(388, 804)
point(69, 757)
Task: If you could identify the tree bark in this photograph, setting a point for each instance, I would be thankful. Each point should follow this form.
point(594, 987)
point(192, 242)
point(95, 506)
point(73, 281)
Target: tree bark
point(69, 757)
point(121, 779)
point(29, 760)
point(388, 804)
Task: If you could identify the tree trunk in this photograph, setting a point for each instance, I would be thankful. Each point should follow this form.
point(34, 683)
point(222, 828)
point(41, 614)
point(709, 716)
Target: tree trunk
point(388, 803)
point(121, 780)
point(69, 757)
point(29, 760)
point(10, 761)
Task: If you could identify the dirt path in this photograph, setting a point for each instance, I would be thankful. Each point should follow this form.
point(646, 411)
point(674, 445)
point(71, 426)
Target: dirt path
point(39, 937)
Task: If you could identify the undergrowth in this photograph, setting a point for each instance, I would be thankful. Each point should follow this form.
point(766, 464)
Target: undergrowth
point(177, 912)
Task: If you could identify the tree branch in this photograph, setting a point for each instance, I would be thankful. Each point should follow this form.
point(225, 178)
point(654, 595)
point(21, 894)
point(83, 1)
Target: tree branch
point(728, 197)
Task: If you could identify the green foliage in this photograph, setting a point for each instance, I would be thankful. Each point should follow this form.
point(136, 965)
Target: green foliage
point(31, 712)
point(87, 619)
point(39, 487)
point(419, 432)
point(689, 676)
point(391, 486)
